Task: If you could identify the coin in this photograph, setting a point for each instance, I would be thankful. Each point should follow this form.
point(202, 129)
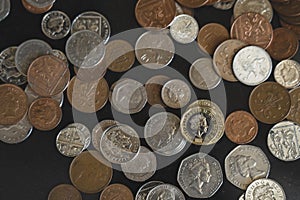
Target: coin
point(56, 25)
point(224, 5)
point(87, 97)
point(98, 131)
point(94, 73)
point(203, 75)
point(270, 102)
point(60, 55)
point(210, 36)
point(245, 164)
point(288, 8)
point(165, 191)
point(261, 31)
point(200, 175)
point(64, 191)
point(48, 76)
point(184, 29)
point(40, 3)
point(223, 58)
point(241, 127)
point(44, 114)
point(291, 20)
point(118, 191)
point(184, 10)
point(294, 114)
point(144, 190)
point(35, 10)
point(264, 189)
point(153, 88)
point(287, 73)
point(28, 51)
point(8, 70)
point(90, 172)
point(13, 103)
point(206, 103)
point(252, 65)
point(84, 133)
point(5, 9)
point(193, 4)
point(294, 28)
point(156, 14)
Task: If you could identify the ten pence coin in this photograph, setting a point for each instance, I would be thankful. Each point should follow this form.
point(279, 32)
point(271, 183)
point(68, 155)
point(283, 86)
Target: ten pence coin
point(116, 191)
point(64, 191)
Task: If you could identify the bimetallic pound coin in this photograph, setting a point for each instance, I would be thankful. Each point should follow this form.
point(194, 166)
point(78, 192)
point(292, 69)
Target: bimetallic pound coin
point(294, 114)
point(284, 141)
point(224, 5)
point(116, 191)
point(5, 9)
point(207, 103)
point(287, 73)
point(90, 172)
point(200, 176)
point(153, 88)
point(252, 65)
point(193, 4)
point(144, 190)
point(85, 133)
point(166, 192)
point(56, 25)
point(245, 164)
point(35, 10)
point(40, 3)
point(98, 131)
point(64, 191)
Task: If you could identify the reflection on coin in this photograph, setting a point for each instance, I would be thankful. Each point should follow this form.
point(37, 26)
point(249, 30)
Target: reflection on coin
point(64, 191)
point(5, 9)
point(85, 133)
point(200, 175)
point(287, 73)
point(98, 131)
point(224, 5)
point(294, 114)
point(153, 88)
point(166, 192)
point(116, 191)
point(144, 190)
point(244, 164)
point(284, 141)
point(34, 9)
point(90, 172)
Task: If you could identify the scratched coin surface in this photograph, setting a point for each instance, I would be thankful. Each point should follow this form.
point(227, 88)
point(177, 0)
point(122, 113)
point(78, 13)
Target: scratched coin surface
point(116, 191)
point(294, 114)
point(153, 88)
point(90, 172)
point(270, 102)
point(5, 9)
point(64, 191)
point(144, 190)
point(36, 10)
point(193, 4)
point(165, 191)
point(287, 73)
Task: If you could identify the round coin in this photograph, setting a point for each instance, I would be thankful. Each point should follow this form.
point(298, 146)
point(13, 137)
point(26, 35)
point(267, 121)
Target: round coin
point(35, 10)
point(294, 114)
point(153, 88)
point(144, 190)
point(193, 4)
point(288, 8)
point(165, 191)
point(5, 9)
point(287, 73)
point(64, 191)
point(98, 131)
point(118, 191)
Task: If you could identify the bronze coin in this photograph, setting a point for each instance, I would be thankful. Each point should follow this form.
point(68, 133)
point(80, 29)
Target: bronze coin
point(241, 127)
point(48, 76)
point(211, 36)
point(90, 172)
point(153, 88)
point(87, 97)
point(156, 14)
point(288, 8)
point(291, 27)
point(64, 191)
point(270, 102)
point(294, 114)
point(193, 4)
point(291, 20)
point(35, 10)
point(116, 191)
point(44, 114)
point(252, 28)
point(13, 103)
point(284, 45)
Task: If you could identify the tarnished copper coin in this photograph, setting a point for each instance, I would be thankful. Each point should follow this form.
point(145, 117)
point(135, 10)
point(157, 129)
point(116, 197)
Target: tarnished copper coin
point(210, 36)
point(252, 28)
point(87, 97)
point(64, 191)
point(241, 127)
point(35, 10)
point(291, 27)
point(289, 8)
point(193, 3)
point(116, 191)
point(48, 76)
point(13, 103)
point(291, 20)
point(294, 114)
point(156, 14)
point(284, 45)
point(90, 172)
point(44, 114)
point(153, 88)
point(270, 102)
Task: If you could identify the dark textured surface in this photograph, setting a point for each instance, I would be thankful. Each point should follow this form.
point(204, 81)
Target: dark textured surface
point(31, 169)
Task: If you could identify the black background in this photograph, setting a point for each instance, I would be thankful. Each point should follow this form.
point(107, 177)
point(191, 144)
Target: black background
point(31, 169)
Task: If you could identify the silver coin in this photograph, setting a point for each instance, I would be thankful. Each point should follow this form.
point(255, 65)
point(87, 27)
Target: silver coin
point(179, 10)
point(165, 192)
point(242, 197)
point(262, 7)
point(224, 5)
point(28, 51)
point(154, 49)
point(252, 65)
point(128, 96)
point(200, 175)
point(144, 190)
point(287, 73)
point(4, 9)
point(8, 70)
point(16, 133)
point(142, 167)
point(284, 141)
point(85, 133)
point(85, 49)
point(56, 25)
point(92, 21)
point(265, 189)
point(162, 133)
point(203, 75)
point(244, 164)
point(120, 144)
point(40, 3)
point(60, 55)
point(184, 29)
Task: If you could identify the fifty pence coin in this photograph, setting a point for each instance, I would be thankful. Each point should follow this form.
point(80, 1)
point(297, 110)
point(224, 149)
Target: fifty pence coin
point(165, 192)
point(64, 191)
point(85, 133)
point(4, 9)
point(116, 191)
point(287, 73)
point(294, 114)
point(144, 190)
point(98, 131)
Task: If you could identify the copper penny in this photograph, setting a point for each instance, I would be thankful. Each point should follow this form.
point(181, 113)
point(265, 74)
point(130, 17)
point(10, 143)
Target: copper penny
point(116, 191)
point(87, 97)
point(64, 191)
point(184, 10)
point(291, 20)
point(223, 58)
point(270, 102)
point(241, 127)
point(90, 172)
point(210, 36)
point(44, 114)
point(288, 8)
point(13, 103)
point(35, 10)
point(253, 29)
point(291, 27)
point(284, 45)
point(294, 114)
point(156, 14)
point(153, 88)
point(48, 76)
point(193, 3)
